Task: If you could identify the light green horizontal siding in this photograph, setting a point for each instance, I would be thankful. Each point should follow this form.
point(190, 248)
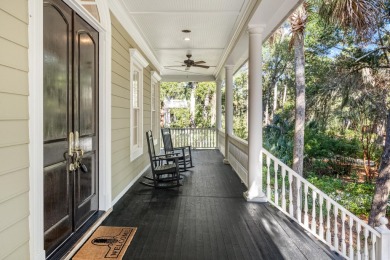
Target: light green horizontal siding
point(124, 171)
point(14, 139)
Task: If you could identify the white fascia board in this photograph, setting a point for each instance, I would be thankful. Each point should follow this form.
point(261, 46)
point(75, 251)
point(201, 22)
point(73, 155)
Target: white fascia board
point(241, 28)
point(119, 11)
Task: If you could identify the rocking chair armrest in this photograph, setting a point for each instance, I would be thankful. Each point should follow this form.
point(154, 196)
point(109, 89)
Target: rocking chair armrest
point(163, 156)
point(183, 147)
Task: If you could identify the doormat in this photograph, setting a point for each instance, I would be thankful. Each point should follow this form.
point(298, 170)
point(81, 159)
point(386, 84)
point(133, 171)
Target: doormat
point(106, 243)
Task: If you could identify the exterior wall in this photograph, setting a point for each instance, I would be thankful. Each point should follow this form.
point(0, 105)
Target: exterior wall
point(14, 140)
point(124, 171)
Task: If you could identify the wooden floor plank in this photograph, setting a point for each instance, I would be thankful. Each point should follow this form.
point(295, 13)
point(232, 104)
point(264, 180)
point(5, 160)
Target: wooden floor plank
point(208, 218)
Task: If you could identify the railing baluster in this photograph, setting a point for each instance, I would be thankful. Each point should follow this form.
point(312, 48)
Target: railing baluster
point(343, 244)
point(283, 189)
point(313, 214)
point(209, 138)
point(321, 229)
point(306, 217)
point(351, 251)
point(299, 211)
point(276, 168)
point(268, 160)
point(328, 234)
point(358, 229)
point(290, 194)
point(335, 235)
point(365, 243)
point(373, 246)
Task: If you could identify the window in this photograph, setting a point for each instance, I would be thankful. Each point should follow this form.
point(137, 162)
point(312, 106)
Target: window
point(154, 105)
point(137, 64)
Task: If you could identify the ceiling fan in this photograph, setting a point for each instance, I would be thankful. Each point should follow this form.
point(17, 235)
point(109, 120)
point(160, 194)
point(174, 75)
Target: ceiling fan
point(188, 63)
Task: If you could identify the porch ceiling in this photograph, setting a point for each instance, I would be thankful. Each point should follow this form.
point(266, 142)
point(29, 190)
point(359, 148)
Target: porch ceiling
point(216, 26)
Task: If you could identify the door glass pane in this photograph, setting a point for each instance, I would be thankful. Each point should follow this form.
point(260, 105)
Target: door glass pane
point(56, 189)
point(55, 79)
point(86, 180)
point(87, 83)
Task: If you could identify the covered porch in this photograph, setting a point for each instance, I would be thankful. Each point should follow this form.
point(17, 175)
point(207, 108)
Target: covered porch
point(236, 203)
point(208, 218)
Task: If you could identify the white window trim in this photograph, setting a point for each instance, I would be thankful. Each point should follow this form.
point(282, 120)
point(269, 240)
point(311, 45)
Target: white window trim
point(137, 62)
point(155, 79)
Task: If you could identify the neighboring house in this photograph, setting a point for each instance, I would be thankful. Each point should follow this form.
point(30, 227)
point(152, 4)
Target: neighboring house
point(166, 109)
point(80, 81)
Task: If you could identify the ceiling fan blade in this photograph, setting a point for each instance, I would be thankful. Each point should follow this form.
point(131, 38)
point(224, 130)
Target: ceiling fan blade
point(201, 66)
point(186, 71)
point(199, 62)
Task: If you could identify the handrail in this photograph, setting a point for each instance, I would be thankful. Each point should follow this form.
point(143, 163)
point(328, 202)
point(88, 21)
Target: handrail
point(194, 137)
point(328, 220)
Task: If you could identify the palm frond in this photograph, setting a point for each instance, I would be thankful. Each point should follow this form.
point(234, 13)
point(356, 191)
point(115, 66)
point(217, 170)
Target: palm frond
point(358, 15)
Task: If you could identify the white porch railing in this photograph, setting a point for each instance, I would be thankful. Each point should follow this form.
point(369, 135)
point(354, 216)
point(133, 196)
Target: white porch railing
point(320, 215)
point(316, 212)
point(195, 137)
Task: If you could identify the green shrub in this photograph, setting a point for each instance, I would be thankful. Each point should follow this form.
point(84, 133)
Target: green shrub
point(355, 197)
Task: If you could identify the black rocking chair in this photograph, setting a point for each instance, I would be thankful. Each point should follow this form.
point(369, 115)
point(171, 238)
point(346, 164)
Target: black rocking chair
point(165, 170)
point(183, 153)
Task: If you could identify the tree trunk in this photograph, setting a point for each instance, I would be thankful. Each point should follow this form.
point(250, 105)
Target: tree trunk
point(275, 99)
point(300, 106)
point(382, 186)
point(192, 105)
point(284, 95)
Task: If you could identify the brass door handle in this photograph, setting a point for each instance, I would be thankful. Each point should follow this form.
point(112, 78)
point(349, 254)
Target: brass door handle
point(75, 152)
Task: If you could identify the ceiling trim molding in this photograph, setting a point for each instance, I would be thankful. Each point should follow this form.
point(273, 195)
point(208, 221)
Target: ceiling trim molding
point(241, 28)
point(186, 49)
point(119, 11)
point(185, 12)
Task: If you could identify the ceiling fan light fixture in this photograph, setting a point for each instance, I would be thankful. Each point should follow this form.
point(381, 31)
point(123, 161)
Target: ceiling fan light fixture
point(187, 38)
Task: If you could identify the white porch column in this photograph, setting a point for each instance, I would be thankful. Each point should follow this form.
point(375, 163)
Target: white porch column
point(218, 109)
point(228, 109)
point(255, 115)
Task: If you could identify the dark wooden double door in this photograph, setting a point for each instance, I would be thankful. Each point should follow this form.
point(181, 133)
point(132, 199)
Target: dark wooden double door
point(70, 105)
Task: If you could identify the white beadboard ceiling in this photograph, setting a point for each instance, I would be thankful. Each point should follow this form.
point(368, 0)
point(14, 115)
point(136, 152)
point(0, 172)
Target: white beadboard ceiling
point(217, 31)
point(212, 24)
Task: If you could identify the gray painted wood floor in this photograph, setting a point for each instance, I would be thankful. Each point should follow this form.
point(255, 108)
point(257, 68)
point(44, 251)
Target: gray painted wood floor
point(208, 218)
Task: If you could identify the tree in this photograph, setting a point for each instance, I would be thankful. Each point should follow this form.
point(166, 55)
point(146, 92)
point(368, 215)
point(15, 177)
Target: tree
point(361, 16)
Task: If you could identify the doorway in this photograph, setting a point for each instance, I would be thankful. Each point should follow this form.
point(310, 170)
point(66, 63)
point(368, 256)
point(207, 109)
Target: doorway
point(70, 123)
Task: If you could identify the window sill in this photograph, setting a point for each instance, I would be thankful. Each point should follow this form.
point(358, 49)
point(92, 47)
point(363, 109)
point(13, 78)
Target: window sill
point(134, 155)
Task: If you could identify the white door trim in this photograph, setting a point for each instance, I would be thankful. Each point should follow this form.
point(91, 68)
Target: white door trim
point(36, 114)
